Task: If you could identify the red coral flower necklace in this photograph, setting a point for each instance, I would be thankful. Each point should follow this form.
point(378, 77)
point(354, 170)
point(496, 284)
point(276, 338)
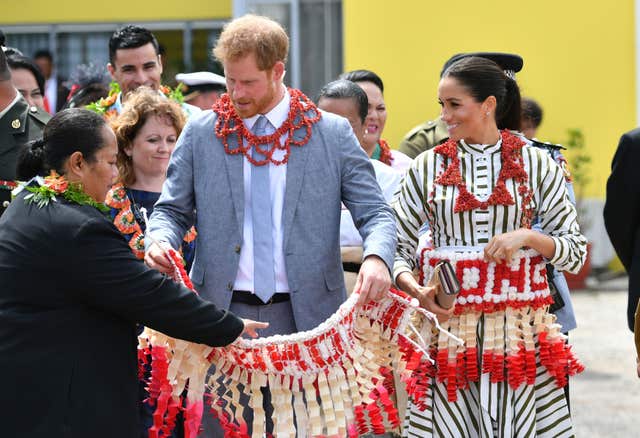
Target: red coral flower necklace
point(385, 152)
point(302, 115)
point(512, 168)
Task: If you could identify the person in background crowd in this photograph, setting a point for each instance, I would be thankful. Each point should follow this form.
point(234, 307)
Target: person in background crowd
point(348, 99)
point(28, 80)
point(433, 132)
point(268, 238)
point(481, 108)
point(562, 306)
point(88, 83)
point(203, 88)
point(376, 147)
point(76, 318)
point(622, 213)
point(531, 117)
point(147, 130)
point(135, 61)
point(55, 91)
point(19, 124)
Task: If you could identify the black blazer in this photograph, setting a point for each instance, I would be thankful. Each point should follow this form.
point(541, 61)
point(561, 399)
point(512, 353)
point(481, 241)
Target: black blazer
point(71, 292)
point(622, 212)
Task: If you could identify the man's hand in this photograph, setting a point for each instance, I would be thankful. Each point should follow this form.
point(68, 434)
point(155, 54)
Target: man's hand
point(251, 326)
point(373, 281)
point(156, 258)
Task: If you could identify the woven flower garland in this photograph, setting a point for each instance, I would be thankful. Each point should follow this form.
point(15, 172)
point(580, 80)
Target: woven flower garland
point(125, 220)
point(330, 381)
point(512, 298)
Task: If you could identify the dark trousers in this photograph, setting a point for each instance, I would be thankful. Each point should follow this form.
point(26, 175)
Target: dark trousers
point(281, 322)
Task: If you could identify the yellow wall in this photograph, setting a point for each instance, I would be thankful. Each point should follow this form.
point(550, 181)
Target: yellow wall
point(73, 11)
point(579, 61)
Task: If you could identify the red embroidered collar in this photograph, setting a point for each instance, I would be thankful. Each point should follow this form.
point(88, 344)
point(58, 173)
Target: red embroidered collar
point(512, 168)
point(302, 115)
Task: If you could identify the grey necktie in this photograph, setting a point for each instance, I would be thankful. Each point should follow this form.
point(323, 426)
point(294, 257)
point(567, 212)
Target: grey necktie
point(264, 281)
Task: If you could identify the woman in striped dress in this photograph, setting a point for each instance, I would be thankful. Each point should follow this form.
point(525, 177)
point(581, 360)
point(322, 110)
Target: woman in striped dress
point(479, 192)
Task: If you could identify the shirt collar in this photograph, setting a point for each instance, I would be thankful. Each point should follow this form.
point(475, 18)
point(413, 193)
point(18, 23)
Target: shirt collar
point(277, 116)
point(481, 148)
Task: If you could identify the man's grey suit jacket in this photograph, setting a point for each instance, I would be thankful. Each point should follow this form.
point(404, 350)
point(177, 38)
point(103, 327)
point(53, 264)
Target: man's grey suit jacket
point(205, 186)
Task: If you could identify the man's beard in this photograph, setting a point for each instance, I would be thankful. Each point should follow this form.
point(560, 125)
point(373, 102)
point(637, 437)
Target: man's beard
point(257, 106)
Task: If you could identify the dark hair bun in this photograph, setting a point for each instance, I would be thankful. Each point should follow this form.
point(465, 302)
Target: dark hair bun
point(31, 161)
point(37, 144)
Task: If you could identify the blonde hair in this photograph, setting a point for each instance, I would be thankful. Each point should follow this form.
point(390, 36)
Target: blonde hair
point(141, 104)
point(255, 34)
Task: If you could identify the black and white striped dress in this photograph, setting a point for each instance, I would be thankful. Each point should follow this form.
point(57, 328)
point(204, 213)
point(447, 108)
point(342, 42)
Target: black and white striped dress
point(487, 409)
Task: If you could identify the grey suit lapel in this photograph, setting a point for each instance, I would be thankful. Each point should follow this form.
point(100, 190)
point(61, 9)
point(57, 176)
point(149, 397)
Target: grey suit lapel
point(236, 179)
point(295, 172)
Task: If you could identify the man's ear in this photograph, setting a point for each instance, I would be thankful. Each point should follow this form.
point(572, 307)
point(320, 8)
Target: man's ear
point(160, 62)
point(278, 71)
point(111, 69)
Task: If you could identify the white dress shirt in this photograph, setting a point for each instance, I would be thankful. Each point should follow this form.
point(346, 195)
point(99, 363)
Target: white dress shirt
point(277, 181)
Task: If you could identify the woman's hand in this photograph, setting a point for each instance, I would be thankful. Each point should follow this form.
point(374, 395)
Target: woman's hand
point(251, 326)
point(156, 257)
point(503, 246)
point(426, 295)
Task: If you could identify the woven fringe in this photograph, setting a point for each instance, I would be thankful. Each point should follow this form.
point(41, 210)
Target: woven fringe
point(335, 379)
point(508, 350)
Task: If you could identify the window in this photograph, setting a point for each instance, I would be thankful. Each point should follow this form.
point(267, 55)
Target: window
point(74, 48)
point(187, 44)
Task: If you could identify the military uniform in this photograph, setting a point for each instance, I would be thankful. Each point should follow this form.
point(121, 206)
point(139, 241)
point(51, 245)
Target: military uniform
point(18, 126)
point(424, 137)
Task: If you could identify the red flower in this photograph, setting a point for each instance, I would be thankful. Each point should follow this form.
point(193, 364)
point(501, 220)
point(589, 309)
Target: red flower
point(385, 153)
point(56, 182)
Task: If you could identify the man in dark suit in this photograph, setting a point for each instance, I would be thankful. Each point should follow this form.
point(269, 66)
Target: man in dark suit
point(622, 213)
point(19, 124)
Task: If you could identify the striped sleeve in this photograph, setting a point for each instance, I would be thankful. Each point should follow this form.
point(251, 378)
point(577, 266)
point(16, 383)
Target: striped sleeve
point(410, 215)
point(558, 217)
